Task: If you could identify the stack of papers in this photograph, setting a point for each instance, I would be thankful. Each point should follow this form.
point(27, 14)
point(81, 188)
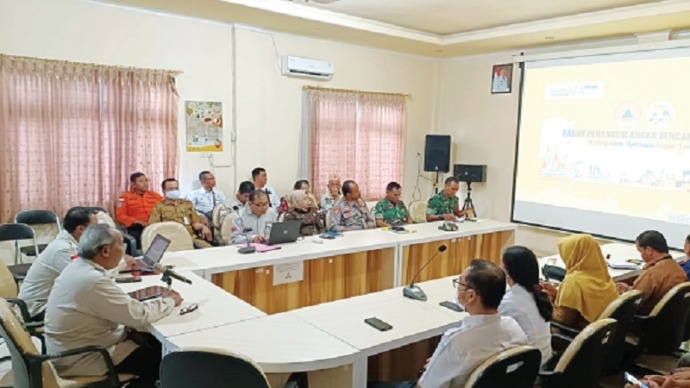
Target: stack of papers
point(621, 264)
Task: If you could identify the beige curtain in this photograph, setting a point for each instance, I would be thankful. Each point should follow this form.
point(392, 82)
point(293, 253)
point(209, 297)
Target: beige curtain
point(358, 136)
point(72, 133)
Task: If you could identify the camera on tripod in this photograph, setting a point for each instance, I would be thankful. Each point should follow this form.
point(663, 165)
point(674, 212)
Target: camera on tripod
point(470, 173)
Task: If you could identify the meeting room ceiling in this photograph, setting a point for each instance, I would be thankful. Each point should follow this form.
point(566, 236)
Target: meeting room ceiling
point(441, 28)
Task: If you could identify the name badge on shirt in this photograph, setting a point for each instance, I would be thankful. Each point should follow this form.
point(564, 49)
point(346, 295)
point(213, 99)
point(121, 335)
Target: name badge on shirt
point(185, 220)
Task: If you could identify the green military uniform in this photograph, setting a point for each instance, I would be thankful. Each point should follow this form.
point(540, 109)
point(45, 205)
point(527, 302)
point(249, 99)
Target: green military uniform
point(441, 204)
point(391, 213)
point(180, 211)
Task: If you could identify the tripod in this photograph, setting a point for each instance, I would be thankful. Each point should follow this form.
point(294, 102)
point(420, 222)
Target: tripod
point(469, 205)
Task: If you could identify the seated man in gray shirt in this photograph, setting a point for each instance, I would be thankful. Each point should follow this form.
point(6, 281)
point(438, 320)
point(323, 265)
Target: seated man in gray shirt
point(253, 222)
point(35, 288)
point(87, 308)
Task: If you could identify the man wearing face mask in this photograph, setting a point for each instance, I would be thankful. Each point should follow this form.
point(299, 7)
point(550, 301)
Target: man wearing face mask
point(87, 308)
point(181, 211)
point(478, 337)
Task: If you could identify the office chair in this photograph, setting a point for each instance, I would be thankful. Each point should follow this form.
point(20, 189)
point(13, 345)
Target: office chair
point(210, 369)
point(16, 232)
point(418, 211)
point(31, 369)
point(9, 291)
point(622, 309)
point(179, 237)
point(226, 228)
point(581, 364)
point(515, 368)
point(660, 334)
point(37, 218)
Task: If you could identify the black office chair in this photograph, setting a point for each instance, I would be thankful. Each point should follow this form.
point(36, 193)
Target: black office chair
point(198, 368)
point(16, 233)
point(660, 334)
point(515, 368)
point(581, 364)
point(37, 217)
point(622, 309)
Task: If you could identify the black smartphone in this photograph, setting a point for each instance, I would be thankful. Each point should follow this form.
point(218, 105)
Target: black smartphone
point(327, 237)
point(378, 324)
point(127, 279)
point(453, 306)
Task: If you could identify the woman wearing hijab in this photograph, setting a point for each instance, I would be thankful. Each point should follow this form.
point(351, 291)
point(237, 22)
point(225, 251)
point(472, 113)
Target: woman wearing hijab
point(301, 208)
point(587, 288)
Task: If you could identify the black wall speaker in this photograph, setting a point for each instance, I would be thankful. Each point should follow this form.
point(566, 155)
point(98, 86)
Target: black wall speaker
point(437, 153)
point(475, 173)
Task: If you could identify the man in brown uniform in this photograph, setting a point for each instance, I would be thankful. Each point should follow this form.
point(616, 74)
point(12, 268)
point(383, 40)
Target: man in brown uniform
point(660, 273)
point(180, 210)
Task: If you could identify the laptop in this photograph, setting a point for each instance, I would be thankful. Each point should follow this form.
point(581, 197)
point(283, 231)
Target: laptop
point(284, 232)
point(154, 254)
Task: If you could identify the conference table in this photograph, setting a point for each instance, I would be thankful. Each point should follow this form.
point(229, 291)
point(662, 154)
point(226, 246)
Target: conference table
point(328, 338)
point(314, 270)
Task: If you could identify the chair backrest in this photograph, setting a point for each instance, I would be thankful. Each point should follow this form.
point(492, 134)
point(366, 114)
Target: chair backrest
point(8, 286)
point(666, 328)
point(36, 217)
point(226, 227)
point(581, 364)
point(12, 232)
point(179, 237)
point(622, 309)
point(216, 214)
point(210, 369)
point(515, 368)
point(20, 346)
point(418, 211)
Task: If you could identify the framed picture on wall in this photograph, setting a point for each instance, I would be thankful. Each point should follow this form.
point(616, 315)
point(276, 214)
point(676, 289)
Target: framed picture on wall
point(502, 78)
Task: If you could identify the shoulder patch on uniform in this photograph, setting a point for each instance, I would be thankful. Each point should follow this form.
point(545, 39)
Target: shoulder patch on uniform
point(336, 210)
point(120, 202)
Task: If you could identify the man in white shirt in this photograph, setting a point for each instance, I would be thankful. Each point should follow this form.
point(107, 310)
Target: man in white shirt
point(254, 221)
point(240, 199)
point(205, 198)
point(261, 183)
point(480, 335)
point(87, 308)
point(35, 288)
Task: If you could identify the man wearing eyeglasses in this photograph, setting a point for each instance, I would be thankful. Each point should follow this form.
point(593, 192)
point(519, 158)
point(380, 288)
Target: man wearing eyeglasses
point(478, 337)
point(253, 222)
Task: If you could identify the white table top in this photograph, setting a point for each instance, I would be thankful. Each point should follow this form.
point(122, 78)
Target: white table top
point(226, 258)
point(216, 307)
point(280, 343)
point(619, 252)
point(412, 320)
point(428, 232)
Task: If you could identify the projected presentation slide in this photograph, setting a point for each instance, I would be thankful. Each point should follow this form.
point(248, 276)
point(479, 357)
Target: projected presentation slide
point(604, 145)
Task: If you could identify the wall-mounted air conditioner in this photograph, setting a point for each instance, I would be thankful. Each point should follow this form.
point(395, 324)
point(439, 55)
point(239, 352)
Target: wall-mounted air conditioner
point(305, 67)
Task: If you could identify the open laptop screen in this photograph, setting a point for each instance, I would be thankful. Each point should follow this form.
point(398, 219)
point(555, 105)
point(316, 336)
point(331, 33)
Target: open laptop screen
point(156, 250)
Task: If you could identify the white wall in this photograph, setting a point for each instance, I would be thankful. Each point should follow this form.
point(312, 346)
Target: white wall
point(268, 104)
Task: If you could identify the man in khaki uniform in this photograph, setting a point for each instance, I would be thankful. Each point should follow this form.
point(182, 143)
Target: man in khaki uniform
point(181, 210)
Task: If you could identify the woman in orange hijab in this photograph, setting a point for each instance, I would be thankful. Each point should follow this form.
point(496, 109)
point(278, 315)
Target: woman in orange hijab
point(587, 288)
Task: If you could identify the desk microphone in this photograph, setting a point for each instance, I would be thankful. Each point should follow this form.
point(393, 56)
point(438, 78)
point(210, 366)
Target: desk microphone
point(248, 248)
point(415, 292)
point(170, 273)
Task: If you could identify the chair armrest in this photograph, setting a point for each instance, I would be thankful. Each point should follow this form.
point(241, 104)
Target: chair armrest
point(571, 331)
point(112, 373)
point(23, 308)
point(297, 380)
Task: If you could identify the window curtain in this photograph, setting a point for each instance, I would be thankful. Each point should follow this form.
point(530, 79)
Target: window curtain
point(72, 133)
point(357, 136)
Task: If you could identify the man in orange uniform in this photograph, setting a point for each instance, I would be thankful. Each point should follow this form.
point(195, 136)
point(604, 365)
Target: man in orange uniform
point(134, 207)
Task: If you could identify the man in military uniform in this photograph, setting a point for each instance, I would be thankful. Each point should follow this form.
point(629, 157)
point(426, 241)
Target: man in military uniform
point(254, 221)
point(134, 207)
point(351, 212)
point(445, 205)
point(391, 210)
point(180, 210)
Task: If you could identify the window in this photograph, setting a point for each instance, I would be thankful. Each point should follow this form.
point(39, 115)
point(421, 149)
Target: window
point(73, 133)
point(358, 136)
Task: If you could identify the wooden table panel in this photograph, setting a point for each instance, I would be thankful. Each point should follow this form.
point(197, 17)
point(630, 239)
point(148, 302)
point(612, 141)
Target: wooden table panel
point(403, 363)
point(456, 258)
point(325, 280)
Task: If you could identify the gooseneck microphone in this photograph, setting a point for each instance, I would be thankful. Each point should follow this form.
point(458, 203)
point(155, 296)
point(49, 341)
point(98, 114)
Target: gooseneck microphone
point(415, 292)
point(170, 273)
